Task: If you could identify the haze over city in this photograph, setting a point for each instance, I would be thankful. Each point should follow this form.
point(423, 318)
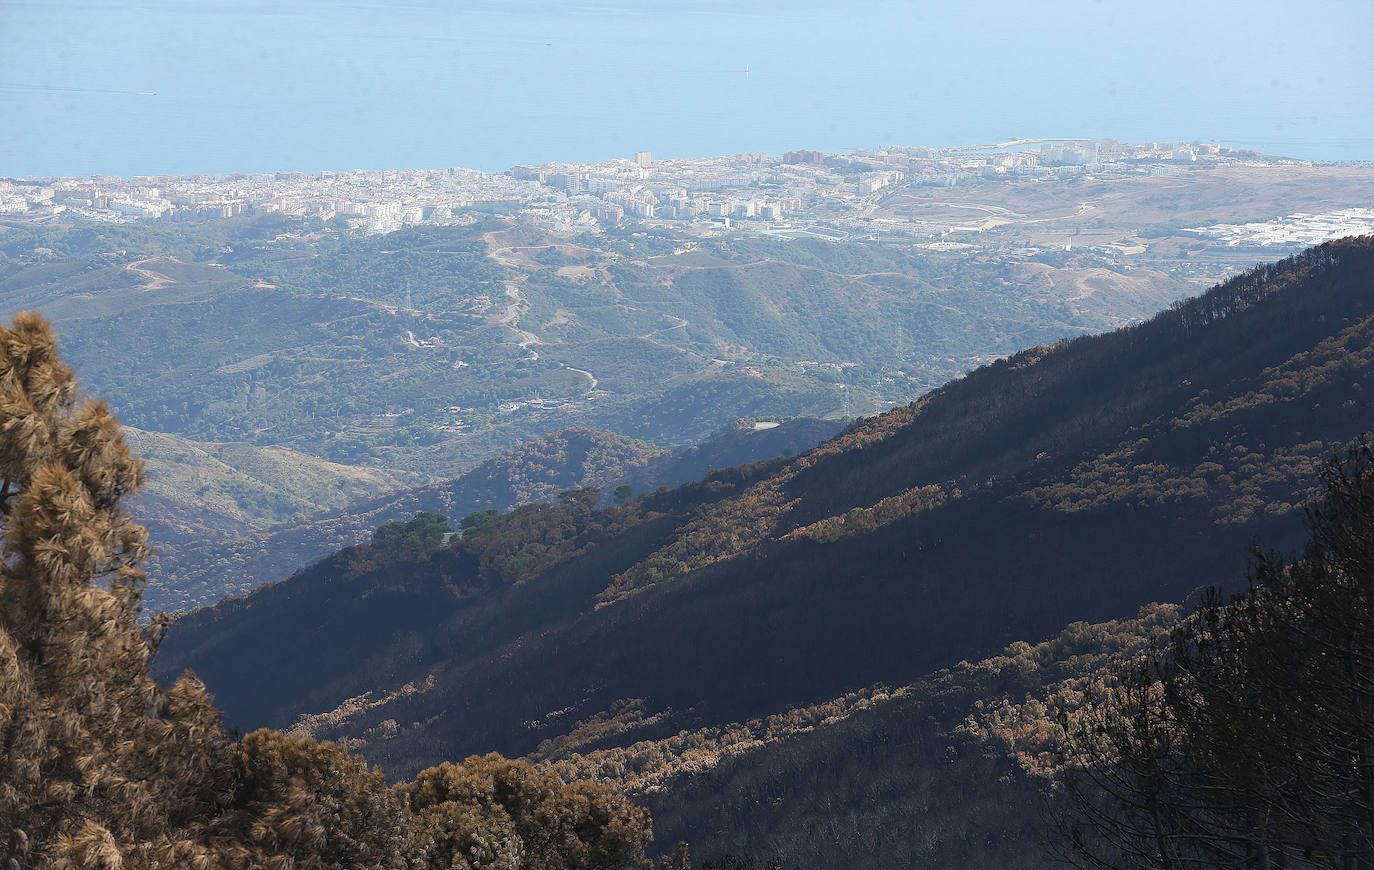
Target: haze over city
point(173, 88)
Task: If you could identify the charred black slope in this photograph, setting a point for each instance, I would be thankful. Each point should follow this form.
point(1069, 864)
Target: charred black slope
point(1069, 482)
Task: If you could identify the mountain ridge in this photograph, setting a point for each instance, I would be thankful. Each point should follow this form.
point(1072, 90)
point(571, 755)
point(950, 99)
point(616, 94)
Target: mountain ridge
point(1091, 477)
point(197, 569)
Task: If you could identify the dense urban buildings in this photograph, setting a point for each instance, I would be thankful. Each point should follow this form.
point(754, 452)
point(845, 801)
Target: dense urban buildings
point(801, 192)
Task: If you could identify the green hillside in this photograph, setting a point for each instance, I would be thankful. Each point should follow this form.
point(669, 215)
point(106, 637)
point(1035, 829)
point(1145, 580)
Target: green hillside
point(204, 555)
point(430, 350)
point(197, 570)
point(257, 486)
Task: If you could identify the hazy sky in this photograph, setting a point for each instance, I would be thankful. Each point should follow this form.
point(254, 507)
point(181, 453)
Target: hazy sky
point(180, 86)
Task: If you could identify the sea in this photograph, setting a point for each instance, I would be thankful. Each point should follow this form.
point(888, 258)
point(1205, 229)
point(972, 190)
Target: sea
point(159, 87)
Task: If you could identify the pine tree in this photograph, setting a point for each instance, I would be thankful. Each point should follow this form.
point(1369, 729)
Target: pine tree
point(493, 813)
point(1246, 741)
point(103, 767)
point(99, 765)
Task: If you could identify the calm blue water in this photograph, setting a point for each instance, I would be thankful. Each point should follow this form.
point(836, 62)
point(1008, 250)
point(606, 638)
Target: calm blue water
point(253, 86)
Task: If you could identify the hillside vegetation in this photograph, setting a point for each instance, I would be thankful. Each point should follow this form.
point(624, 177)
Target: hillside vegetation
point(1075, 481)
point(432, 349)
point(257, 486)
point(198, 564)
point(200, 491)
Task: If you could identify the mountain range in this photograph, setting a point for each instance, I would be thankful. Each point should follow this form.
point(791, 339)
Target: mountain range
point(431, 349)
point(844, 591)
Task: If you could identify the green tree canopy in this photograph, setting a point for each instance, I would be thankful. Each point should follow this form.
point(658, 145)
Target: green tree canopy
point(423, 533)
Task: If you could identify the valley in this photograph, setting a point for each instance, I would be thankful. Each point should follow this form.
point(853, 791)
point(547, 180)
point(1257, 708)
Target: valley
point(697, 514)
point(434, 347)
point(742, 635)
